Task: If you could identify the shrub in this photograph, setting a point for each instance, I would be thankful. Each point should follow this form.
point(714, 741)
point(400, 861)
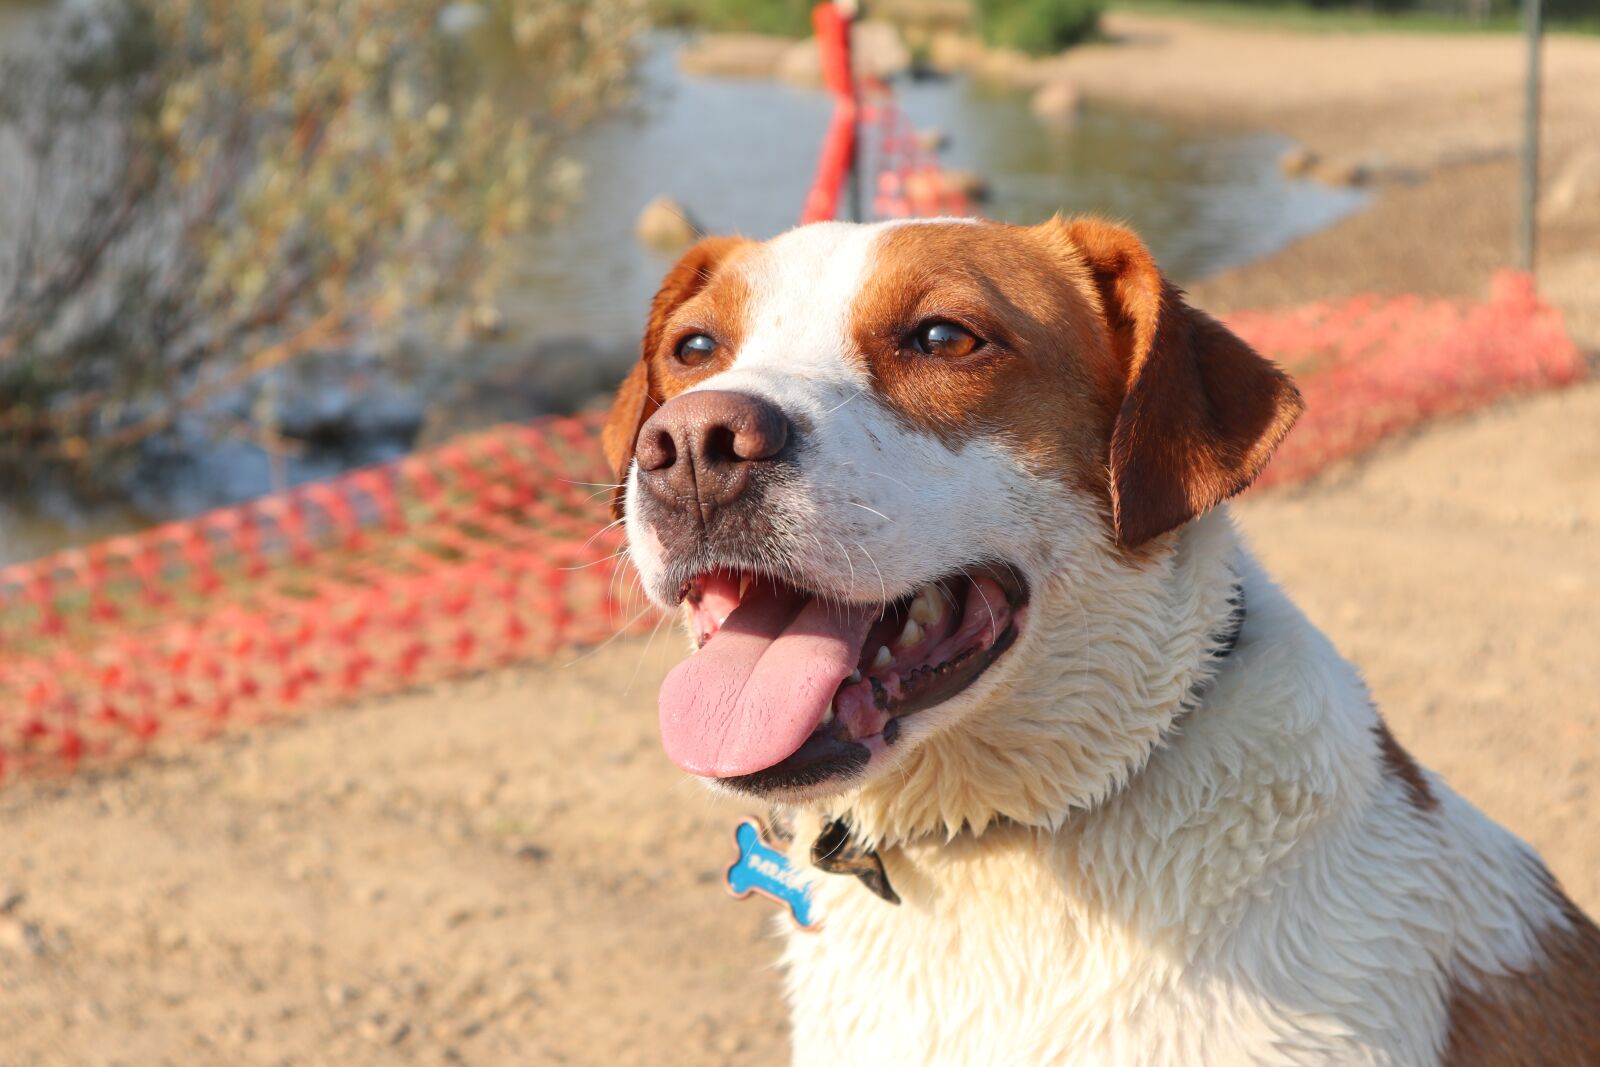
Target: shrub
point(195, 192)
point(1038, 26)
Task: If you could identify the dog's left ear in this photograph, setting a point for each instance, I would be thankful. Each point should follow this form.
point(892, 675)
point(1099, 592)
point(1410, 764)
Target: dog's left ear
point(1201, 412)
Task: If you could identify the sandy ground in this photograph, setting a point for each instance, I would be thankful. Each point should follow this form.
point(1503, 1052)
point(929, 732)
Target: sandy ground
point(1437, 120)
point(508, 871)
point(1389, 99)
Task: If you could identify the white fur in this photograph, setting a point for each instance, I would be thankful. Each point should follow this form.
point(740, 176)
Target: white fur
point(1257, 893)
point(877, 505)
point(879, 508)
point(1096, 867)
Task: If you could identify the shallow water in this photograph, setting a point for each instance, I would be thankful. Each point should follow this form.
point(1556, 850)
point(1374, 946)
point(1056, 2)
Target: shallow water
point(740, 154)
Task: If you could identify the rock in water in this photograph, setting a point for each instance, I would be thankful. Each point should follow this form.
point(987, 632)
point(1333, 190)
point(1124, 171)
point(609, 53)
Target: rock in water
point(1298, 161)
point(666, 226)
point(969, 183)
point(1342, 172)
point(1056, 103)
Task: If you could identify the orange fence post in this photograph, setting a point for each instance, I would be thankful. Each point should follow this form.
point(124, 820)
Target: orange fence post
point(839, 146)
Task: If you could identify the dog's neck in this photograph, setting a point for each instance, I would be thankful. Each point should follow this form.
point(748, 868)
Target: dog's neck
point(1116, 654)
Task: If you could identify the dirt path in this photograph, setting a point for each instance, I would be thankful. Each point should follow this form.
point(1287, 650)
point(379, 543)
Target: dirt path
point(1437, 119)
point(1391, 99)
point(510, 873)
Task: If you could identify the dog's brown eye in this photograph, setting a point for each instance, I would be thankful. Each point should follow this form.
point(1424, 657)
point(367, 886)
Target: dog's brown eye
point(696, 349)
point(944, 339)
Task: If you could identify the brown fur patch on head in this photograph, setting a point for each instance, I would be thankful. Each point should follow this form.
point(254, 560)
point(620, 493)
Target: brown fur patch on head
point(1044, 379)
point(1093, 364)
point(1546, 1015)
point(700, 294)
point(1398, 764)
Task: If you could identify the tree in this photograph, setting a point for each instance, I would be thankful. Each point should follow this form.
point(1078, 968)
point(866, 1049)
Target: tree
point(195, 191)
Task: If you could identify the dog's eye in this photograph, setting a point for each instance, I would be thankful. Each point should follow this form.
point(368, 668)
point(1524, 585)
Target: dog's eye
point(696, 349)
point(944, 339)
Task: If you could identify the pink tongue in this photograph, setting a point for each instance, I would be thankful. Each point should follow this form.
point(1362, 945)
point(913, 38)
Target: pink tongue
point(760, 686)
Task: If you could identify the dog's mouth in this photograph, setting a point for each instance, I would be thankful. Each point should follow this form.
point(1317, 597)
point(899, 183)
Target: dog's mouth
point(789, 689)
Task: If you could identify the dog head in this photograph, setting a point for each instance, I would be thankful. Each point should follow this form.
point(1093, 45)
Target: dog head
point(871, 463)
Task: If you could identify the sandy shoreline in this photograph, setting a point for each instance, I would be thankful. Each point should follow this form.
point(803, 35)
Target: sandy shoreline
point(1437, 119)
point(1400, 99)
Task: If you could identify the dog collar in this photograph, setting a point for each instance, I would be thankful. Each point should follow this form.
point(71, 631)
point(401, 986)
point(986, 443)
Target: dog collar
point(764, 866)
point(837, 852)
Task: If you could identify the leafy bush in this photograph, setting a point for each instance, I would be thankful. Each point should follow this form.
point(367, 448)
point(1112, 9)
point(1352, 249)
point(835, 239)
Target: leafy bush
point(194, 192)
point(1038, 26)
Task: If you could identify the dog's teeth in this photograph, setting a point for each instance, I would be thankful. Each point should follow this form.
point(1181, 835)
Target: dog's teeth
point(910, 635)
point(928, 606)
point(883, 658)
point(744, 584)
point(827, 716)
point(855, 676)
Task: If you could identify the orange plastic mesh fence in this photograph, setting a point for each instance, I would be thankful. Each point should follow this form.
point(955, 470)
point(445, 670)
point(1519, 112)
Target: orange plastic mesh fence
point(494, 549)
point(486, 551)
point(1375, 365)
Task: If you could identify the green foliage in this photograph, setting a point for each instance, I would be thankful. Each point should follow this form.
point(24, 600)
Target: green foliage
point(787, 18)
point(1038, 26)
point(200, 190)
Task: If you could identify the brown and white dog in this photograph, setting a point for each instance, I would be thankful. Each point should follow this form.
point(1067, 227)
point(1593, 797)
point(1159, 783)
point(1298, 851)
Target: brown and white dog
point(940, 503)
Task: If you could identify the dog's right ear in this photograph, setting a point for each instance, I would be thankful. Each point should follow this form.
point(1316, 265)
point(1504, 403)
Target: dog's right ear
point(640, 395)
point(621, 430)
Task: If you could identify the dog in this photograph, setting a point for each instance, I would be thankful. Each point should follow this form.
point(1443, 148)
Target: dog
point(943, 506)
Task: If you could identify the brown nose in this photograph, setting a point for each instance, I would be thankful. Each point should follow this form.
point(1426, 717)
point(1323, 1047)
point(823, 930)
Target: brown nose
point(701, 447)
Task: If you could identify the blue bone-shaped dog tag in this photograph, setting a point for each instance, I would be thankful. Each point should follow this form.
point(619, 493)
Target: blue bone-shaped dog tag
point(762, 869)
